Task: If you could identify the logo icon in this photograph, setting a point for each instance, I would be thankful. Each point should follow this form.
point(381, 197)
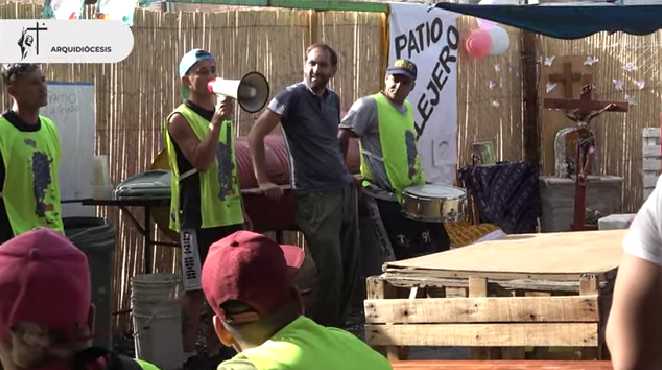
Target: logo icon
point(65, 41)
point(27, 40)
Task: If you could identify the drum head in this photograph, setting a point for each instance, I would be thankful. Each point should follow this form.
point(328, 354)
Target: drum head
point(436, 191)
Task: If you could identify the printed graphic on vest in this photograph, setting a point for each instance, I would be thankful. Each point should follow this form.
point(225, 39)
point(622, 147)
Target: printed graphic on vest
point(41, 175)
point(410, 142)
point(225, 167)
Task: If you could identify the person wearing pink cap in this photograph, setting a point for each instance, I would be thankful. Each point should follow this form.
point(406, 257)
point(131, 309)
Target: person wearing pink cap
point(248, 281)
point(46, 311)
point(205, 201)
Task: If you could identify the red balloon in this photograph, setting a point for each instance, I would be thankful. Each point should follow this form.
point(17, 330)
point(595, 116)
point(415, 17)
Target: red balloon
point(479, 43)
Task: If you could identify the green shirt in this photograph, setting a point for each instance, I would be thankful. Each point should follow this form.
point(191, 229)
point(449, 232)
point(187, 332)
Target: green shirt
point(305, 345)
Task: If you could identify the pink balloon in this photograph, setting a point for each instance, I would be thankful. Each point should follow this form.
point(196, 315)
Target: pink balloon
point(479, 43)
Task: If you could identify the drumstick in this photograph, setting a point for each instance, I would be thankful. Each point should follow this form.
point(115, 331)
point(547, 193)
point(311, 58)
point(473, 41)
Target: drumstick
point(260, 191)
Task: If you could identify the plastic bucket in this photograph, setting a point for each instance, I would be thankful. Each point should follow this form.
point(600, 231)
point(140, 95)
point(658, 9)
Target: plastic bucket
point(155, 287)
point(158, 333)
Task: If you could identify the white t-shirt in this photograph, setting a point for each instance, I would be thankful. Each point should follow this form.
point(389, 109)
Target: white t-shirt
point(644, 239)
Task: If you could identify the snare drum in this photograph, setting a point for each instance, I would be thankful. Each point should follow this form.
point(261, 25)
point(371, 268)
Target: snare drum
point(434, 203)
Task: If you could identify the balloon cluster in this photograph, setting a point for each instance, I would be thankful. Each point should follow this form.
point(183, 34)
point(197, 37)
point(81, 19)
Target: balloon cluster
point(489, 38)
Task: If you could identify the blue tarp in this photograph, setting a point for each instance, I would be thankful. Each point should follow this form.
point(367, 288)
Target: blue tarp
point(568, 21)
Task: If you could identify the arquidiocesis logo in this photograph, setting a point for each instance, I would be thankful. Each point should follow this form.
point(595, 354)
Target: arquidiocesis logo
point(30, 38)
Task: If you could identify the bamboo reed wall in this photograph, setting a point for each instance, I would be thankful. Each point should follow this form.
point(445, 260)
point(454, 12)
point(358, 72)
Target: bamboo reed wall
point(134, 96)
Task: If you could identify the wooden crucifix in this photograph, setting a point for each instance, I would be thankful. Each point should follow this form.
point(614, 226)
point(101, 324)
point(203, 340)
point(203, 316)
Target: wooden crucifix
point(567, 78)
point(582, 111)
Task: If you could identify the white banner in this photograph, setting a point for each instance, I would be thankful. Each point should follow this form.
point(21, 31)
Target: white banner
point(429, 37)
point(64, 41)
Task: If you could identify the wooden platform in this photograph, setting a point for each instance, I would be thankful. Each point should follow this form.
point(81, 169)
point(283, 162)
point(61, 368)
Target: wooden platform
point(534, 290)
point(500, 365)
point(561, 256)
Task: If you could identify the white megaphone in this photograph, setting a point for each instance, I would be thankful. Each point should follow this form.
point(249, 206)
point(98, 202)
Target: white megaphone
point(251, 92)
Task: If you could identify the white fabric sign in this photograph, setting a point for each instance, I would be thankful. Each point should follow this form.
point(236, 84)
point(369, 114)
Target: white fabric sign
point(71, 106)
point(429, 37)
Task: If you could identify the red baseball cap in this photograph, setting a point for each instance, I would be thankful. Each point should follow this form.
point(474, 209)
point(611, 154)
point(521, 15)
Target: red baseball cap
point(45, 280)
point(252, 269)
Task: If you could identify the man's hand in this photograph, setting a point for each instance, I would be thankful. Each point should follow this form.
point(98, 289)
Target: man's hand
point(271, 191)
point(224, 111)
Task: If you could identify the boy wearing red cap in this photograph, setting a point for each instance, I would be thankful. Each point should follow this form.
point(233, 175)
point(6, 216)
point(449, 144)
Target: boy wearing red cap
point(247, 280)
point(38, 268)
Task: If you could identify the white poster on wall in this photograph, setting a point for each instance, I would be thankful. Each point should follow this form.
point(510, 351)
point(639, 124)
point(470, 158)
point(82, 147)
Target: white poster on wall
point(71, 107)
point(429, 37)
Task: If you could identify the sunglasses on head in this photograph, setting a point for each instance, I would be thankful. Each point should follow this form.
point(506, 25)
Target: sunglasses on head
point(13, 70)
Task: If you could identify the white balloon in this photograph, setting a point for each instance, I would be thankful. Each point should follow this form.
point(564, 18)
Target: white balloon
point(500, 40)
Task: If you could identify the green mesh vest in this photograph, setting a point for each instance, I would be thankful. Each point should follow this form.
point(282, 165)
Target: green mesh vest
point(397, 139)
point(219, 184)
point(31, 190)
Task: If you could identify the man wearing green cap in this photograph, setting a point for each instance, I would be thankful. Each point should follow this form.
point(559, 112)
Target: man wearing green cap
point(205, 202)
point(390, 162)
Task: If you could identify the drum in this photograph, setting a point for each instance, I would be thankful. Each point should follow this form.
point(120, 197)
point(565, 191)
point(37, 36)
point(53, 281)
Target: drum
point(434, 203)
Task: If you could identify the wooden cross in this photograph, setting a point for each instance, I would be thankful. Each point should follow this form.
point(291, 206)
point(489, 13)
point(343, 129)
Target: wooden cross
point(568, 77)
point(582, 111)
point(585, 105)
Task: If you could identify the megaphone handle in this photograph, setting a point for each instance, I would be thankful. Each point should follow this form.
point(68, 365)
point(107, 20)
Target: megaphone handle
point(220, 98)
point(228, 134)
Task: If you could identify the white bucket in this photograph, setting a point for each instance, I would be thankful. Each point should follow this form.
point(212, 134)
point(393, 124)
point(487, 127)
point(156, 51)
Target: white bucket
point(158, 334)
point(155, 287)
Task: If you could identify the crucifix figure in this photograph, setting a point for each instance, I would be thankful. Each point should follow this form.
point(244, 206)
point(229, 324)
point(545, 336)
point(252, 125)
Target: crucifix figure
point(582, 111)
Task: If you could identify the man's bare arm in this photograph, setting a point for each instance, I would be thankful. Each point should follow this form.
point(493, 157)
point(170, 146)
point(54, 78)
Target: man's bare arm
point(343, 138)
point(267, 121)
point(634, 331)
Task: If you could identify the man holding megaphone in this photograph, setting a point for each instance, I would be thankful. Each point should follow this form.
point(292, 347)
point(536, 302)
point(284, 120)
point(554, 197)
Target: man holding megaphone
point(205, 201)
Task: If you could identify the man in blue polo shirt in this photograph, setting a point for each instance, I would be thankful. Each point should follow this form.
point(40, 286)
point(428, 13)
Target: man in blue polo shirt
point(326, 196)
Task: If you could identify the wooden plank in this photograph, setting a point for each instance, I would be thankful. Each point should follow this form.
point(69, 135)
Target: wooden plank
point(484, 335)
point(378, 288)
point(500, 365)
point(588, 285)
point(483, 310)
point(522, 284)
point(540, 255)
point(456, 292)
point(477, 287)
point(492, 276)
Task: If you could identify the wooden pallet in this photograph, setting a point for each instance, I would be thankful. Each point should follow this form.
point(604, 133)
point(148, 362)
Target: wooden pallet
point(499, 313)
